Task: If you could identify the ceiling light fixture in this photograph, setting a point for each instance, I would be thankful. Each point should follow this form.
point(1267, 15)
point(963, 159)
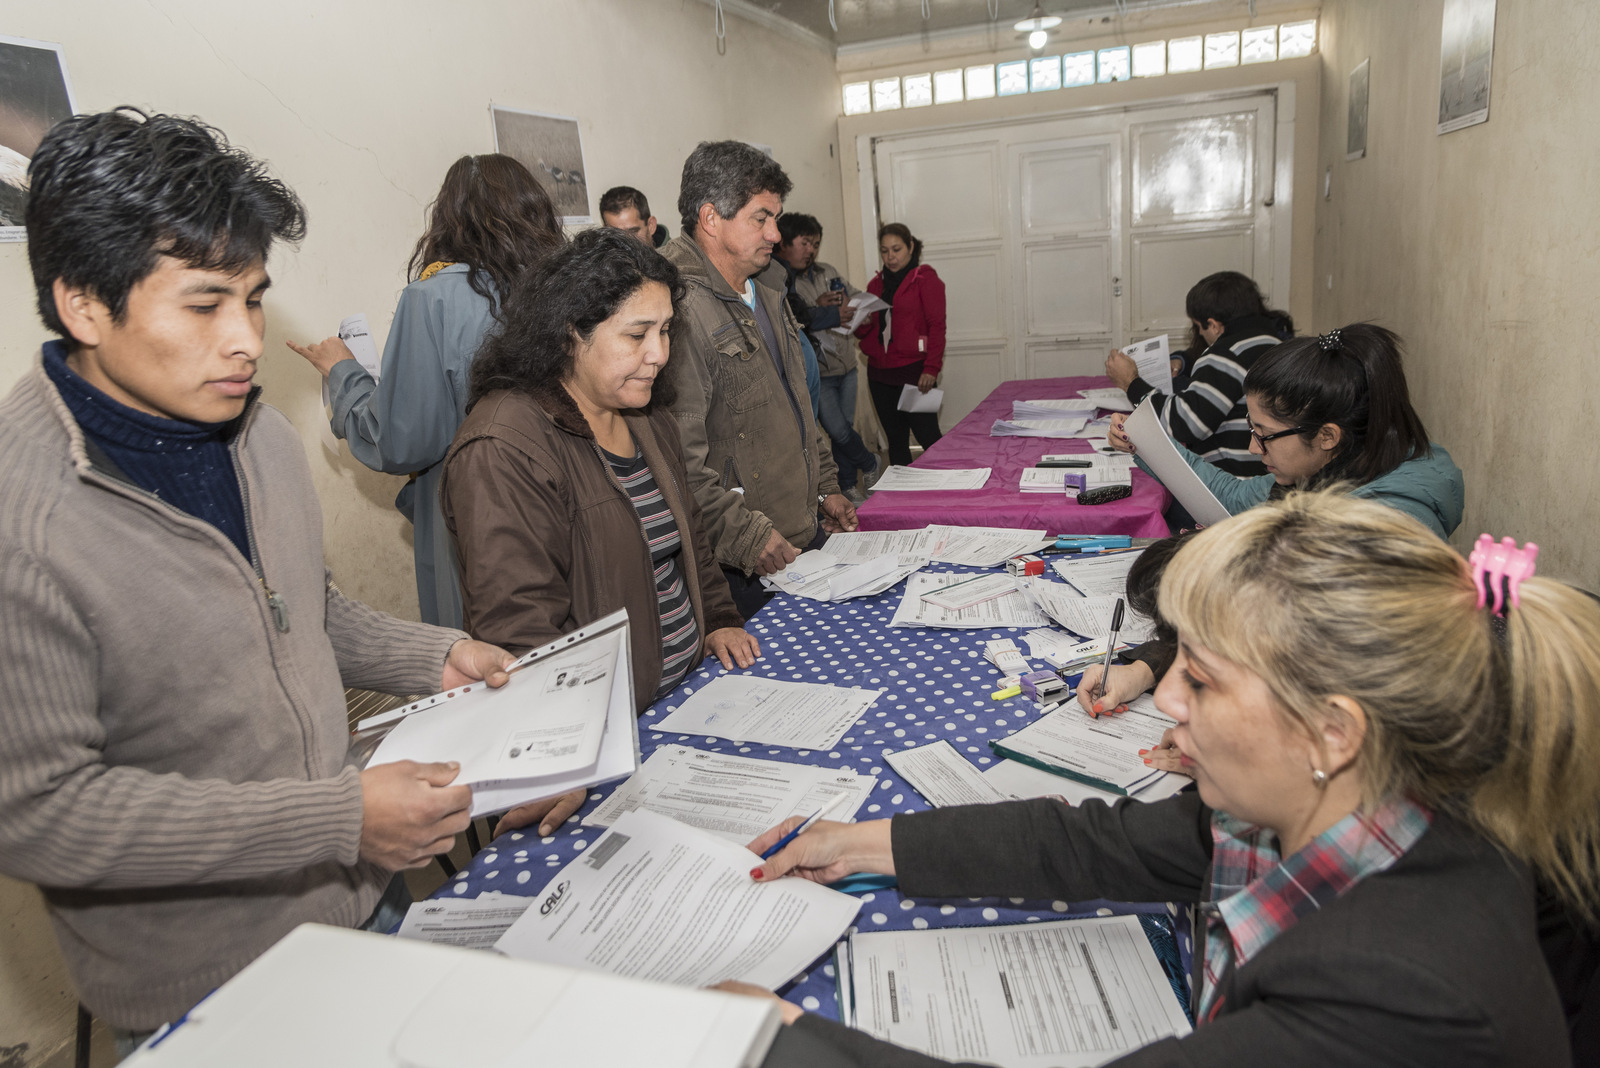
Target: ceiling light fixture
point(1036, 26)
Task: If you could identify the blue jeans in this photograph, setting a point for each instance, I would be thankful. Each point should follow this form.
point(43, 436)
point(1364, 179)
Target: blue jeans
point(837, 401)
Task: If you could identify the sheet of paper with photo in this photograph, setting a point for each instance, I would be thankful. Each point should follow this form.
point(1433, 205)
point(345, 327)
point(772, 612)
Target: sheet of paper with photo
point(564, 721)
point(655, 899)
point(1063, 994)
point(1153, 357)
point(733, 797)
point(1008, 610)
point(748, 708)
point(1102, 751)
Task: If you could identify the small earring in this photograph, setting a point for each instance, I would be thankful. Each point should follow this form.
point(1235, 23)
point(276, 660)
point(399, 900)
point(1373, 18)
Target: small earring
point(1319, 778)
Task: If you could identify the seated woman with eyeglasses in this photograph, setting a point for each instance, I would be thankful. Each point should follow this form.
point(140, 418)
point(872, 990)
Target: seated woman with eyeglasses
point(1335, 409)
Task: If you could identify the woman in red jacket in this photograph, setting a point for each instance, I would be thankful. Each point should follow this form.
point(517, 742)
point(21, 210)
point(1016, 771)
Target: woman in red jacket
point(904, 345)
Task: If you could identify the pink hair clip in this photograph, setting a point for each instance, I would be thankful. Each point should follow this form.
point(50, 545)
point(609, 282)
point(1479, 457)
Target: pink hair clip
point(1501, 560)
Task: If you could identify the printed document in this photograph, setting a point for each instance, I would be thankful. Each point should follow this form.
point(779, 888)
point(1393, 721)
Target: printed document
point(732, 797)
point(1021, 781)
point(913, 399)
point(901, 479)
point(973, 591)
point(860, 306)
point(1008, 610)
point(655, 899)
point(356, 334)
point(820, 576)
point(1053, 409)
point(1101, 751)
point(1067, 994)
point(1038, 428)
point(564, 721)
point(1102, 575)
point(986, 546)
point(1110, 398)
point(861, 546)
point(943, 776)
point(1158, 452)
point(472, 923)
point(1153, 357)
point(1087, 617)
point(748, 708)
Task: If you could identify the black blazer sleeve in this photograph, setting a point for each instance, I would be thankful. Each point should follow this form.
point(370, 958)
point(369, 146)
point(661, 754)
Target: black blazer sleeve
point(1129, 851)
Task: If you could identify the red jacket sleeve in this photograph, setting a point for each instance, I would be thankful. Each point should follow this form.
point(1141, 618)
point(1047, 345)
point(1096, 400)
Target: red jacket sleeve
point(933, 322)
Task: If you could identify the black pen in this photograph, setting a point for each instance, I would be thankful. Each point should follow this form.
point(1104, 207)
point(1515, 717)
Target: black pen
point(1111, 645)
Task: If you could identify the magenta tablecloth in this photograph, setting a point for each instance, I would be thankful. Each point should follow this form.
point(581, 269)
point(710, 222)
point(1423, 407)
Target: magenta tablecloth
point(1000, 503)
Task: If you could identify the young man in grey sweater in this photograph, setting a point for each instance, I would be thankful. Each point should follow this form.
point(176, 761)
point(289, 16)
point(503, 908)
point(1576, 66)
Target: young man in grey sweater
point(173, 655)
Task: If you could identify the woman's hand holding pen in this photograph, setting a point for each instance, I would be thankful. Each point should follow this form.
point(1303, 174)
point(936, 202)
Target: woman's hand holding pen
point(1127, 681)
point(827, 852)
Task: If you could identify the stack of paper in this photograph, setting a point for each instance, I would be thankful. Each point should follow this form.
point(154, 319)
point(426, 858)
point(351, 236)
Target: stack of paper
point(1045, 479)
point(1038, 428)
point(1022, 782)
point(820, 576)
point(1064, 652)
point(902, 479)
point(943, 776)
point(1097, 575)
point(1101, 751)
point(1109, 398)
point(1052, 409)
point(972, 591)
point(1087, 617)
point(732, 797)
point(985, 546)
point(860, 546)
point(655, 899)
point(748, 708)
point(1005, 656)
point(1009, 610)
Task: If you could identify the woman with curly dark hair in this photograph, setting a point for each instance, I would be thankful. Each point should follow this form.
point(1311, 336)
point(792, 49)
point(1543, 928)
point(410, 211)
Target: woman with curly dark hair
point(490, 222)
point(566, 489)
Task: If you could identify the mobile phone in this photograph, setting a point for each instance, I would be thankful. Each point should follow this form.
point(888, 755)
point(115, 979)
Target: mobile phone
point(1105, 494)
point(837, 283)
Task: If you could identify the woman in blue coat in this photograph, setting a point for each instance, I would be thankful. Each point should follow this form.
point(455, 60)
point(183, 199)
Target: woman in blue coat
point(490, 221)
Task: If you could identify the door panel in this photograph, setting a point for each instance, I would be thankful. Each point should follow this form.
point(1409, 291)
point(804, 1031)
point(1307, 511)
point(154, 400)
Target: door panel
point(972, 293)
point(1066, 191)
point(1165, 266)
point(1194, 169)
point(1068, 289)
point(1047, 359)
point(971, 372)
point(947, 194)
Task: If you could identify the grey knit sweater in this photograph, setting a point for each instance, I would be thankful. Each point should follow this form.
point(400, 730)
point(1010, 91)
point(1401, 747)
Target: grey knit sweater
point(173, 762)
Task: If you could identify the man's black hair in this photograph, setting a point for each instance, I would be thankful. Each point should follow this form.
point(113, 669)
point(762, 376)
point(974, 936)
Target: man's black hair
point(1228, 297)
point(798, 224)
point(726, 175)
point(620, 198)
point(111, 193)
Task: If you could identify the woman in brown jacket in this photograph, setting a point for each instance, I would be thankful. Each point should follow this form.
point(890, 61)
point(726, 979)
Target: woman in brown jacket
point(565, 489)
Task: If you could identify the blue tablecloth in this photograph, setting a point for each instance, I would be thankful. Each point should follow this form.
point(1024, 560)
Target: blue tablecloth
point(937, 686)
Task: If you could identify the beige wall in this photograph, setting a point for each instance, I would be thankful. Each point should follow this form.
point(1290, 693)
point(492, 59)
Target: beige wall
point(1077, 35)
point(1479, 248)
point(362, 106)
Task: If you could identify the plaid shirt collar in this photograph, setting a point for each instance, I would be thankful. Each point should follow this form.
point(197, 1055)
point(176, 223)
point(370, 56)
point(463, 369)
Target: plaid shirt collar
point(1256, 895)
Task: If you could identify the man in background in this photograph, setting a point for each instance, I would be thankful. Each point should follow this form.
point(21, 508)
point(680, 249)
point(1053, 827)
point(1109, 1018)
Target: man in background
point(818, 294)
point(625, 208)
point(758, 463)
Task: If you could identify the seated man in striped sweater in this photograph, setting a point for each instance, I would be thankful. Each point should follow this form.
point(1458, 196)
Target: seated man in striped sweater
point(1208, 416)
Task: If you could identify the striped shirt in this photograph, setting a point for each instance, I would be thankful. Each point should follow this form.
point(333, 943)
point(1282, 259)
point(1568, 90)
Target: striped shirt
point(1209, 417)
point(1257, 894)
point(680, 637)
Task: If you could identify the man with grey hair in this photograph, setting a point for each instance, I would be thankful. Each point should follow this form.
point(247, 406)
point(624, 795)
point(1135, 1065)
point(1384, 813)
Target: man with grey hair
point(761, 470)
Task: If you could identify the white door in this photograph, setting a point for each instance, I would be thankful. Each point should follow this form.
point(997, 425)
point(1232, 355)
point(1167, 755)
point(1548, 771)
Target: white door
point(1060, 239)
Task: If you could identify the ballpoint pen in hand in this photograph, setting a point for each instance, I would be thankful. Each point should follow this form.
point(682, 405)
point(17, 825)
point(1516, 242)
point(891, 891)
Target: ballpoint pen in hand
point(1111, 646)
point(777, 846)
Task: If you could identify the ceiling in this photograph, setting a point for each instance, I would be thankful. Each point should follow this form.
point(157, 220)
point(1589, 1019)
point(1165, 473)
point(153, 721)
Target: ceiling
point(861, 21)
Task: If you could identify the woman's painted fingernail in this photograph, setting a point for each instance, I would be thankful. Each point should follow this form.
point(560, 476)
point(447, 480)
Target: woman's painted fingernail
point(1142, 752)
point(755, 873)
point(1147, 760)
point(1098, 707)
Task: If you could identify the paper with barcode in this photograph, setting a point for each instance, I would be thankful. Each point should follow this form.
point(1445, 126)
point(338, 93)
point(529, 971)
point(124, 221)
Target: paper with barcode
point(656, 899)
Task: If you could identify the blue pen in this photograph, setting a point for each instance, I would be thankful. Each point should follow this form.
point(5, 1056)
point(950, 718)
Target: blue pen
point(838, 799)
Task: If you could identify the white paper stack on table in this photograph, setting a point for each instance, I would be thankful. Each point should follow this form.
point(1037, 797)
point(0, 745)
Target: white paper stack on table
point(1098, 751)
point(859, 307)
point(1109, 398)
point(1053, 409)
point(1008, 610)
point(1054, 479)
point(655, 899)
point(564, 721)
point(902, 479)
point(327, 995)
point(1067, 427)
point(748, 708)
point(1022, 782)
point(1063, 994)
point(821, 576)
point(1161, 456)
point(1087, 617)
point(971, 591)
point(1063, 651)
point(732, 797)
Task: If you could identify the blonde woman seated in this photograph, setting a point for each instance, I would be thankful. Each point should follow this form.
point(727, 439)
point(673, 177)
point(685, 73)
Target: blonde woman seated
point(565, 489)
point(1378, 771)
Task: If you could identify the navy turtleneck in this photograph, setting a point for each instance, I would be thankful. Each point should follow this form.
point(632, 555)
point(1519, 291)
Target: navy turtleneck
point(188, 465)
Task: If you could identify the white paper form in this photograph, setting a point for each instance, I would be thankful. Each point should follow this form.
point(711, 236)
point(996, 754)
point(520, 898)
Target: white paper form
point(747, 708)
point(1153, 357)
point(732, 797)
point(913, 399)
point(655, 899)
point(1053, 409)
point(818, 575)
point(1068, 994)
point(860, 306)
point(1038, 428)
point(356, 333)
point(1104, 575)
point(1009, 610)
point(472, 923)
point(943, 776)
point(922, 479)
point(973, 591)
point(1155, 448)
point(860, 546)
point(1102, 751)
point(1044, 479)
point(1110, 398)
point(1087, 617)
point(1023, 781)
point(986, 546)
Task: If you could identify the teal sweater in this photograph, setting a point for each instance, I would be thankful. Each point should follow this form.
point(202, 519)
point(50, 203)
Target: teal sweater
point(1428, 488)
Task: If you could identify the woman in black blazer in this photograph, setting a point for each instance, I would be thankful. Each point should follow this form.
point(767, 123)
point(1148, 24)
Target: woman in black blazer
point(1340, 699)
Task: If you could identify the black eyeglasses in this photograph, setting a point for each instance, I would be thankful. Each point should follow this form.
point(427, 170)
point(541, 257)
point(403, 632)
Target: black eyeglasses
point(1262, 439)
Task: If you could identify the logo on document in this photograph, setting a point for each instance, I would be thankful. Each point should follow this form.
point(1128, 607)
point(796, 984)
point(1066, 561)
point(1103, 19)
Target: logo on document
point(553, 902)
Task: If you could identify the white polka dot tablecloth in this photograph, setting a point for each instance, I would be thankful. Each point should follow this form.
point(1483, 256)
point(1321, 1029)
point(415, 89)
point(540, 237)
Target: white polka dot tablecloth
point(936, 687)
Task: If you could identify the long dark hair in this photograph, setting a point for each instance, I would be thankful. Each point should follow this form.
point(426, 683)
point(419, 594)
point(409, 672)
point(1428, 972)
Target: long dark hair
point(492, 215)
point(903, 232)
point(1351, 378)
point(559, 302)
point(1229, 297)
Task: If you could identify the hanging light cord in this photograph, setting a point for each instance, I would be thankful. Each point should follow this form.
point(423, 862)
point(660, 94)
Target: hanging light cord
point(720, 27)
point(994, 10)
point(831, 20)
point(925, 12)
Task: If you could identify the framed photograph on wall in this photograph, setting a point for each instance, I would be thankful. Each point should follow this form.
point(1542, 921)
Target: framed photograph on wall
point(551, 146)
point(1355, 137)
point(34, 95)
point(1466, 50)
